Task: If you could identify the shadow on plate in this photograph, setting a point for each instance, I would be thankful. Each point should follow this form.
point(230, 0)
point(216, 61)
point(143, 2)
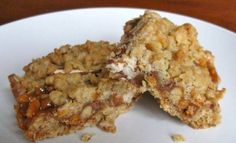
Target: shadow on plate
point(148, 106)
point(9, 97)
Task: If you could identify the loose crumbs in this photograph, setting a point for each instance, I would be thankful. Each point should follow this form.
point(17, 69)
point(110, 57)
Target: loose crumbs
point(86, 137)
point(178, 138)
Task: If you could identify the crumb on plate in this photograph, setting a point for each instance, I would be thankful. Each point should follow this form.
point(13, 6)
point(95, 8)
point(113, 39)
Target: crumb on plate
point(178, 138)
point(86, 137)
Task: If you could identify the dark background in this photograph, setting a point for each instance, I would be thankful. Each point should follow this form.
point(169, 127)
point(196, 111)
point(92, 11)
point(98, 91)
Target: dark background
point(220, 12)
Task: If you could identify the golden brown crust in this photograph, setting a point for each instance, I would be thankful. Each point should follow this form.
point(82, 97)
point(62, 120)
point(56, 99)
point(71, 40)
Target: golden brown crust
point(177, 70)
point(68, 90)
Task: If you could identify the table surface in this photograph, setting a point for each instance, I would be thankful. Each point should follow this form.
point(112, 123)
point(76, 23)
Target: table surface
point(220, 12)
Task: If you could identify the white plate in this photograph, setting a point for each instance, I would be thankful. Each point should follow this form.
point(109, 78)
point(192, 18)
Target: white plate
point(23, 40)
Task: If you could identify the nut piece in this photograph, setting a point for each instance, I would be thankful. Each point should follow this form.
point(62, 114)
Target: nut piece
point(57, 97)
point(178, 138)
point(33, 108)
point(86, 137)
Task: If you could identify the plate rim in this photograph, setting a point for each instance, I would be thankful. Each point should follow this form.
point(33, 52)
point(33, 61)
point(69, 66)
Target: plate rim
point(9, 25)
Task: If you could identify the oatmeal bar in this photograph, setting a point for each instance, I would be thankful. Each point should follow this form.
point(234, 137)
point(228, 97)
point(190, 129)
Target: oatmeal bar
point(173, 66)
point(68, 90)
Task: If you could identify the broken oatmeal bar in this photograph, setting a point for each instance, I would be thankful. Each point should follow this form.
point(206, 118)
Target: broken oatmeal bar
point(173, 66)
